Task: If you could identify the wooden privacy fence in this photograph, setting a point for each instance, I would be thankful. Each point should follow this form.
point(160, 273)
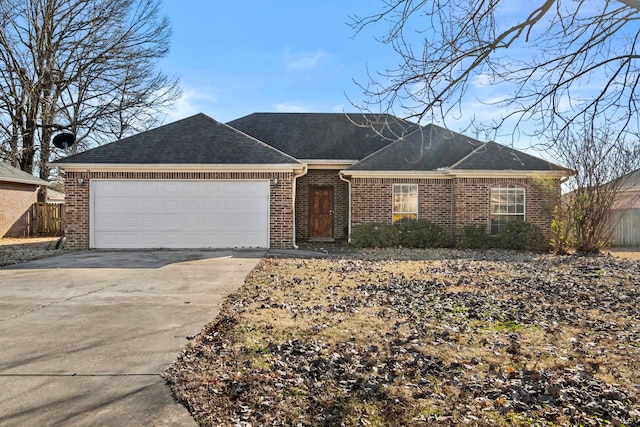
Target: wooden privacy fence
point(47, 219)
point(626, 229)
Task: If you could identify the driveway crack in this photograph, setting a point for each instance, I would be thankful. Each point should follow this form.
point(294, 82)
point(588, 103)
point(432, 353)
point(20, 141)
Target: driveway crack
point(58, 302)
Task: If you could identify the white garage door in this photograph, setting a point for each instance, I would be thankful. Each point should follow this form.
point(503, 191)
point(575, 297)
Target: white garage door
point(179, 214)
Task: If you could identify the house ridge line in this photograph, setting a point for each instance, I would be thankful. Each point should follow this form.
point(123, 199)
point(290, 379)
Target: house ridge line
point(473, 152)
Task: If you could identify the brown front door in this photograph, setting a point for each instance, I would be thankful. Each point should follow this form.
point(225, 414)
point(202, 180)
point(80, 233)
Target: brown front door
point(321, 212)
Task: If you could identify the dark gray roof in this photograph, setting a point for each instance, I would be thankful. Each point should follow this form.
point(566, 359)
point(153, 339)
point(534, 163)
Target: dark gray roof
point(496, 156)
point(9, 173)
point(434, 147)
point(426, 149)
point(324, 136)
point(195, 140)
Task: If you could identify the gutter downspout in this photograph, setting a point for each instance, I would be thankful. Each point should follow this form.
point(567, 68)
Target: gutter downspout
point(348, 181)
point(295, 179)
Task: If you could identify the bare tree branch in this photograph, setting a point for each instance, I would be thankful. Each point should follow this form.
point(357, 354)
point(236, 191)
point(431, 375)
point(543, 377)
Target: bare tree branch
point(601, 157)
point(560, 60)
point(86, 66)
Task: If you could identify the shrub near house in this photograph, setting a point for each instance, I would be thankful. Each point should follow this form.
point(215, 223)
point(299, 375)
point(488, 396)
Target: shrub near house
point(424, 234)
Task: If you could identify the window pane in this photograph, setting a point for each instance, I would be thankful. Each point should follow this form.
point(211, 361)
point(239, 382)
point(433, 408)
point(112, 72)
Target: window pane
point(405, 202)
point(404, 217)
point(507, 205)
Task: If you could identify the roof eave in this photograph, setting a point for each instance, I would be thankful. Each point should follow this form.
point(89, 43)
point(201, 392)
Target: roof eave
point(25, 181)
point(510, 173)
point(166, 167)
point(328, 164)
point(447, 173)
point(395, 174)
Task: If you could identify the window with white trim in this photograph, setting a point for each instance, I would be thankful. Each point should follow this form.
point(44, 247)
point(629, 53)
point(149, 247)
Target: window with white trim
point(405, 202)
point(507, 205)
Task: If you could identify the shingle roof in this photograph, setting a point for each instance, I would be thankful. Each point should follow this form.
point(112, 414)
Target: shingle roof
point(324, 136)
point(434, 148)
point(494, 156)
point(197, 139)
point(383, 142)
point(9, 173)
point(426, 149)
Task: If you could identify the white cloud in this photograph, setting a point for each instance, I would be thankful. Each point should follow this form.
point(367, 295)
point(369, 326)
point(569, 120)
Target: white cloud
point(481, 81)
point(303, 61)
point(192, 101)
point(417, 89)
point(291, 107)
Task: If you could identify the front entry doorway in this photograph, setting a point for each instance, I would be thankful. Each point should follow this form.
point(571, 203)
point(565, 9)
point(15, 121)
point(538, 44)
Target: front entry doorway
point(321, 213)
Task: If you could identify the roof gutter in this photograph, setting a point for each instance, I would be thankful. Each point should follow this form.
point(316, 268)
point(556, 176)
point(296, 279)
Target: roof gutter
point(35, 181)
point(348, 181)
point(167, 167)
point(294, 185)
point(446, 173)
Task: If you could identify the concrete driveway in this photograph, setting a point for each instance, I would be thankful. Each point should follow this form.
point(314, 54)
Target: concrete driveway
point(85, 337)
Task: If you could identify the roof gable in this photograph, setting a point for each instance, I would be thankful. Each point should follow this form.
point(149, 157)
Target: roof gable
point(9, 173)
point(324, 136)
point(427, 149)
point(433, 148)
point(195, 140)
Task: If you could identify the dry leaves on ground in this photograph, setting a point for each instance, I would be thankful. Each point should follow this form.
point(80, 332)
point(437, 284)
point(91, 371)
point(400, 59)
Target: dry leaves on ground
point(470, 338)
point(17, 250)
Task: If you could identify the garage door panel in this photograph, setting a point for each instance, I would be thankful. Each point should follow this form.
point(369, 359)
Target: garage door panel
point(179, 214)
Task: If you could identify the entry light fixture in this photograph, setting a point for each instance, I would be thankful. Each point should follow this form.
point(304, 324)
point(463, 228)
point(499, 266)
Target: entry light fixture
point(80, 181)
point(276, 181)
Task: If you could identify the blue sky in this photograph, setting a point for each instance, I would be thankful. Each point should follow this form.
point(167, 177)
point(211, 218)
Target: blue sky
point(236, 58)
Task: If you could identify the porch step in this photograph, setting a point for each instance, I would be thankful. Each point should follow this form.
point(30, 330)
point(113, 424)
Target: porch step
point(322, 239)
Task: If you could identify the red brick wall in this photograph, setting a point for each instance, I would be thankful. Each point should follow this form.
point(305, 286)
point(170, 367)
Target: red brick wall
point(472, 201)
point(15, 208)
point(450, 203)
point(77, 201)
point(322, 177)
point(372, 198)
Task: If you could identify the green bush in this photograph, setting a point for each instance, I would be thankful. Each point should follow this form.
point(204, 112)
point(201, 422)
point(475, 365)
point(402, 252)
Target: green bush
point(475, 237)
point(521, 236)
point(374, 235)
point(420, 234)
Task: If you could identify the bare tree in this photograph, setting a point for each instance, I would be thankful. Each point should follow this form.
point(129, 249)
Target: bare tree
point(559, 60)
point(83, 66)
point(601, 159)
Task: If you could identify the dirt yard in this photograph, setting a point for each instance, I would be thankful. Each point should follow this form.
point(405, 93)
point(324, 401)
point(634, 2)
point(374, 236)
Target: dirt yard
point(446, 338)
point(17, 250)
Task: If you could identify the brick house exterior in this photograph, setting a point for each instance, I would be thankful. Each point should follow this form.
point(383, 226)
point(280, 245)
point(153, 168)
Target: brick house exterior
point(18, 193)
point(371, 200)
point(452, 203)
point(328, 173)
